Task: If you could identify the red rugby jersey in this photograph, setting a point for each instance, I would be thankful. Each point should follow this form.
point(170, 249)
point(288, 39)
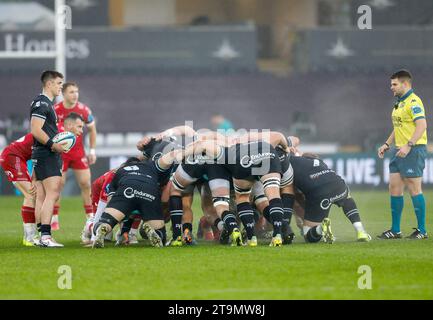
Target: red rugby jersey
point(21, 147)
point(84, 111)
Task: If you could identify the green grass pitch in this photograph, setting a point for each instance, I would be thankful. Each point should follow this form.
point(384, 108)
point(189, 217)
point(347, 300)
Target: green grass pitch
point(401, 269)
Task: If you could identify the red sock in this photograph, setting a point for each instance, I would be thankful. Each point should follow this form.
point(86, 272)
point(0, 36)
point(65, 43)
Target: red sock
point(204, 223)
point(56, 210)
point(136, 223)
point(28, 214)
point(88, 209)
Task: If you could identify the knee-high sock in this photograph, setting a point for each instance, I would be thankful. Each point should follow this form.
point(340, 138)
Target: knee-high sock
point(418, 202)
point(276, 213)
point(176, 213)
point(397, 204)
point(246, 214)
point(288, 202)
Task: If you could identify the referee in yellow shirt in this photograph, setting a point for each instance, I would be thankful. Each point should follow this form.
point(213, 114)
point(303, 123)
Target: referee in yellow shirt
point(408, 157)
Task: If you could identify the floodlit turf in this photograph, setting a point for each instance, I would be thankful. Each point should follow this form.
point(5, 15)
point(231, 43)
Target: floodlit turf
point(401, 269)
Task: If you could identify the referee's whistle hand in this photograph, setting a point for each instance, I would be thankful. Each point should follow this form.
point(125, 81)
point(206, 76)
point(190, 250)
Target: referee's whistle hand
point(381, 151)
point(403, 152)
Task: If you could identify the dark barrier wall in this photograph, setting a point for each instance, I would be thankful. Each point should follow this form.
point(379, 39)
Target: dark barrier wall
point(367, 171)
point(361, 171)
point(379, 49)
point(217, 48)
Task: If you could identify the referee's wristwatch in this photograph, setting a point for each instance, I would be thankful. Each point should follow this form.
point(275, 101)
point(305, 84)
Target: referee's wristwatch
point(410, 144)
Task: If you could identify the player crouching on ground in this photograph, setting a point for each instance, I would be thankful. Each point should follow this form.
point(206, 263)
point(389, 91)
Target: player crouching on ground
point(13, 160)
point(322, 188)
point(137, 187)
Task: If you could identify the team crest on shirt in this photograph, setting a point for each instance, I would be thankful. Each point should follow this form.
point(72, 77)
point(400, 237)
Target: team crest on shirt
point(416, 109)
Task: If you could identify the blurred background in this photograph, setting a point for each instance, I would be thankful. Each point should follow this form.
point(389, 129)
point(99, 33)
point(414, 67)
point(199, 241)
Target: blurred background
point(301, 67)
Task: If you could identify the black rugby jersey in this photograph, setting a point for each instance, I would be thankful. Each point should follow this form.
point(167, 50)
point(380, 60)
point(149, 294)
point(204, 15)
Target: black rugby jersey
point(143, 172)
point(311, 173)
point(42, 107)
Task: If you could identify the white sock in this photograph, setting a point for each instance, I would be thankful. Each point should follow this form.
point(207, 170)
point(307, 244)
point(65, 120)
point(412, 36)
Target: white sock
point(30, 230)
point(55, 218)
point(319, 229)
point(358, 226)
point(220, 225)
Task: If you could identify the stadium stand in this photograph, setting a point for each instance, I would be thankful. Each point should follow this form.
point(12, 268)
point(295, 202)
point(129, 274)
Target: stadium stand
point(146, 103)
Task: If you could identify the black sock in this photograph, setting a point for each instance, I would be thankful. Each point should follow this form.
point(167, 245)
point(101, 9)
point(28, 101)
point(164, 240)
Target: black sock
point(246, 214)
point(351, 211)
point(45, 229)
point(162, 233)
point(126, 226)
point(276, 214)
point(288, 202)
point(105, 218)
point(267, 214)
point(187, 226)
point(256, 215)
point(312, 235)
point(39, 227)
point(176, 212)
point(230, 221)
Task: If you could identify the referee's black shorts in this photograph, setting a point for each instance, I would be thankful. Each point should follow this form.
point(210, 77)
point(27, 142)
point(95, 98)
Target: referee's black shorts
point(46, 165)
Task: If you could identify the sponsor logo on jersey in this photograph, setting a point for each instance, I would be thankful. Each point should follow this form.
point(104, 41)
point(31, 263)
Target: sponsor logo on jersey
point(132, 193)
point(128, 193)
point(199, 159)
point(156, 156)
point(321, 173)
point(325, 204)
point(249, 160)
